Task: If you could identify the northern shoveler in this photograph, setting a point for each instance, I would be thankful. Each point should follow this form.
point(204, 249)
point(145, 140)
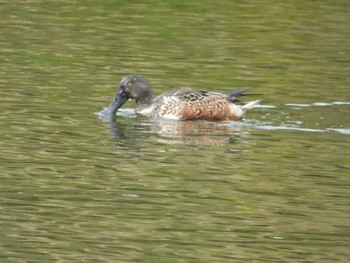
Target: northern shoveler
point(180, 104)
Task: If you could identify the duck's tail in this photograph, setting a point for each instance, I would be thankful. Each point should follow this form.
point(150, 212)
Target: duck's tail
point(251, 104)
point(239, 109)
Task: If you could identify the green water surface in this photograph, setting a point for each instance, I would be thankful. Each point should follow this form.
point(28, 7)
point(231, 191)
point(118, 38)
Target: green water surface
point(272, 188)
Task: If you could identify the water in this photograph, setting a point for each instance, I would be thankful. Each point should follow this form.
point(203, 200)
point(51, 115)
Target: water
point(272, 188)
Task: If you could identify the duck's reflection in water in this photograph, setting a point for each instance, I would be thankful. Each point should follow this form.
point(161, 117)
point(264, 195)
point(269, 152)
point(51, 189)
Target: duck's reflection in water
point(117, 130)
point(177, 132)
point(194, 132)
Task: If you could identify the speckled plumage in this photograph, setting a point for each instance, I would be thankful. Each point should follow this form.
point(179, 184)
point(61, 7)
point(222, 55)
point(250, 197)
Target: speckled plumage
point(182, 104)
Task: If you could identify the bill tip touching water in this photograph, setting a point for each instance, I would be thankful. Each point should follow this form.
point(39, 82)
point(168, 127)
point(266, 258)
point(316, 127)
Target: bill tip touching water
point(182, 104)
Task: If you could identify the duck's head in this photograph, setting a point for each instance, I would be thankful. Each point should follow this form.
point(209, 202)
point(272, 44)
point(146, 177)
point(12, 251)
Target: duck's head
point(134, 88)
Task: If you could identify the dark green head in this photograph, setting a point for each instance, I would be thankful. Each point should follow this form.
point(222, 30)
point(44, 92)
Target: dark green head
point(131, 88)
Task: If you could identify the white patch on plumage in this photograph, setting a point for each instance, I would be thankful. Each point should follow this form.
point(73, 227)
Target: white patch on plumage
point(145, 111)
point(170, 116)
point(168, 108)
point(239, 110)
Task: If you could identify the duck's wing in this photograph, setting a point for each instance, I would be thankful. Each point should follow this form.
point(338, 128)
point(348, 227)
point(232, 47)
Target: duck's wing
point(187, 95)
point(196, 95)
point(236, 93)
point(192, 96)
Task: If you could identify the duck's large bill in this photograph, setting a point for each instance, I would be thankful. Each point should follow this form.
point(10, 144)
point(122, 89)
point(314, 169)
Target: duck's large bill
point(119, 100)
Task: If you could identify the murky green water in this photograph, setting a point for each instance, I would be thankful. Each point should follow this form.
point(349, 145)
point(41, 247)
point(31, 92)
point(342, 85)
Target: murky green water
point(273, 188)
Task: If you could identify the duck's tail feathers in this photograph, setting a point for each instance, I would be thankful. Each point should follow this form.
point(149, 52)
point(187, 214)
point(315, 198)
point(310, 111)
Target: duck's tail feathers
point(251, 104)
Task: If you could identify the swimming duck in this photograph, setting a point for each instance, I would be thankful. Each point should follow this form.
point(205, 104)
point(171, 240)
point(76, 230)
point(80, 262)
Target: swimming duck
point(185, 104)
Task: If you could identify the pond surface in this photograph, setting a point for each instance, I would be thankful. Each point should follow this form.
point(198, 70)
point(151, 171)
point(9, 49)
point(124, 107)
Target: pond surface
point(271, 188)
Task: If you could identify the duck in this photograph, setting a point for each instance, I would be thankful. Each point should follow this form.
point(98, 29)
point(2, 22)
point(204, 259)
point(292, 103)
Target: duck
point(182, 104)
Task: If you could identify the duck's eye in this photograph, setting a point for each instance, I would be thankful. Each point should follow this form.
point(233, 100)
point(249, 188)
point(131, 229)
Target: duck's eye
point(129, 84)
